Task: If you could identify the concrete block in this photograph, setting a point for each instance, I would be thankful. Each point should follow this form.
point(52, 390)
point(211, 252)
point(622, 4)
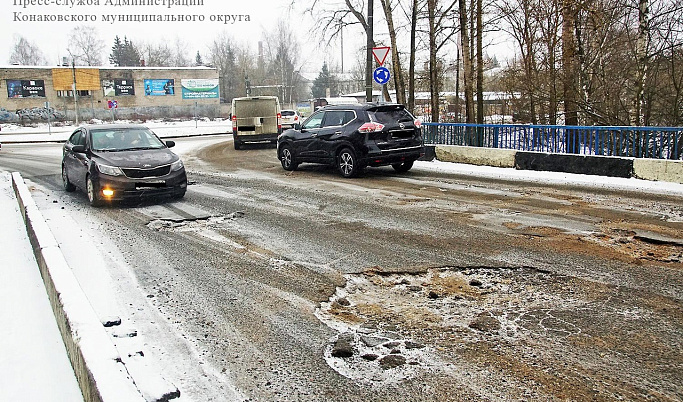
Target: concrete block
point(476, 155)
point(580, 164)
point(657, 169)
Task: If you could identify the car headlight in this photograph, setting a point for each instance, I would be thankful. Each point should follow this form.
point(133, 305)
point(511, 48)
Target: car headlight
point(177, 165)
point(110, 170)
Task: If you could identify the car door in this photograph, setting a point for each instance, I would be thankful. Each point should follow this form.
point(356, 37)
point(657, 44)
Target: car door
point(76, 163)
point(304, 139)
point(332, 132)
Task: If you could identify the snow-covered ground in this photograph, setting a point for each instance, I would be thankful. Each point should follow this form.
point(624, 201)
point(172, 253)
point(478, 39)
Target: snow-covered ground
point(43, 132)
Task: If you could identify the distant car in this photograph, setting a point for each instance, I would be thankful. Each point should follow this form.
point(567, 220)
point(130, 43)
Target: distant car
point(353, 137)
point(290, 118)
point(121, 161)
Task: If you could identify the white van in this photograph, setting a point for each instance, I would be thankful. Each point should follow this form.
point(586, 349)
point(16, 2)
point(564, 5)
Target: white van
point(255, 119)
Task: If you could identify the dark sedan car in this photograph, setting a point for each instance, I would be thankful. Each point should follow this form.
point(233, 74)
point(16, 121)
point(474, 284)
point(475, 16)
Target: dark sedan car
point(353, 137)
point(122, 161)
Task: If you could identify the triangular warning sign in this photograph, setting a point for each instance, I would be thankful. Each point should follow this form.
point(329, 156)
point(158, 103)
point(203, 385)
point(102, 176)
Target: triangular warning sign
point(380, 54)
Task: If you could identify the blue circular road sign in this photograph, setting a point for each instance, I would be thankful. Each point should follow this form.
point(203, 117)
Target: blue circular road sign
point(381, 75)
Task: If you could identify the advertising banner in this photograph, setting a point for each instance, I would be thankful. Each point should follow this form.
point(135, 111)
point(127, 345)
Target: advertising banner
point(25, 88)
point(118, 87)
point(87, 79)
point(159, 87)
point(200, 88)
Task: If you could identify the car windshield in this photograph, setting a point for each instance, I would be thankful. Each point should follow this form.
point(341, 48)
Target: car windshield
point(124, 139)
point(391, 115)
point(288, 113)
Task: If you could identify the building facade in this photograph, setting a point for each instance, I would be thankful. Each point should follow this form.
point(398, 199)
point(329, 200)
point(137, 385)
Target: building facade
point(102, 91)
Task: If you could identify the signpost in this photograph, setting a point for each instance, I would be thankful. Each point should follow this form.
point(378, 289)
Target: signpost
point(381, 74)
point(380, 54)
point(47, 110)
point(112, 105)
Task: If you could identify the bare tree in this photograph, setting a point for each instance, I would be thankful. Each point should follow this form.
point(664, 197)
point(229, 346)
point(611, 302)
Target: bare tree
point(282, 49)
point(181, 54)
point(26, 53)
point(223, 53)
point(466, 62)
point(85, 46)
point(156, 54)
point(399, 81)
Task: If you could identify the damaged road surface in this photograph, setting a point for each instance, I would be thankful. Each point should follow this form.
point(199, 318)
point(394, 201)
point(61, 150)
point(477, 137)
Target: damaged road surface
point(421, 286)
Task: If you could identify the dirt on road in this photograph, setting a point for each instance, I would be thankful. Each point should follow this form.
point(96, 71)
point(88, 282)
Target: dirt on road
point(586, 302)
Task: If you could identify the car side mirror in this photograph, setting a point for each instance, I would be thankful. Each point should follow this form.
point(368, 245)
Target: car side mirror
point(170, 144)
point(297, 126)
point(78, 149)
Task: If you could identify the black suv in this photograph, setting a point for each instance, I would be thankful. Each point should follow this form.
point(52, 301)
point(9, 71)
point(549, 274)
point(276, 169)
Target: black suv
point(353, 137)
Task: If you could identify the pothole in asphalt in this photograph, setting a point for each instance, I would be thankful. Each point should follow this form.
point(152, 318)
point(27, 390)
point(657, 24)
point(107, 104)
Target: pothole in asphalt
point(385, 321)
point(190, 224)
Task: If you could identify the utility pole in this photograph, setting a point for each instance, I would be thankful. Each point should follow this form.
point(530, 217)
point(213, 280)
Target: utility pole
point(368, 66)
point(341, 32)
point(73, 71)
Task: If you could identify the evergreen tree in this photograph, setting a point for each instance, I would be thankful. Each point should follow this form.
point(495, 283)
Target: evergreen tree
point(124, 54)
point(324, 80)
point(198, 59)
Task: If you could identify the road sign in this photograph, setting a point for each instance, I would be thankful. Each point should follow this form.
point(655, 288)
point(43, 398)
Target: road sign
point(380, 54)
point(381, 75)
point(113, 104)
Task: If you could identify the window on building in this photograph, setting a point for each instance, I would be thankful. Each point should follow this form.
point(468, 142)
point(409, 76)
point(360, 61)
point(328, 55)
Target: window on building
point(70, 94)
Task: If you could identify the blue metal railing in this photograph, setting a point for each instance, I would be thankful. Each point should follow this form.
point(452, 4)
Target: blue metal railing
point(637, 142)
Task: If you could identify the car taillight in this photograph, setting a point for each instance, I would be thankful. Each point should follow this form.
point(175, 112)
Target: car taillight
point(418, 123)
point(371, 127)
point(279, 123)
point(234, 123)
point(296, 118)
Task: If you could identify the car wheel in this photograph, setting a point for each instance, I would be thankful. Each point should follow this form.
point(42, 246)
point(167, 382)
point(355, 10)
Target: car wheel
point(402, 167)
point(68, 186)
point(347, 163)
point(91, 191)
point(287, 158)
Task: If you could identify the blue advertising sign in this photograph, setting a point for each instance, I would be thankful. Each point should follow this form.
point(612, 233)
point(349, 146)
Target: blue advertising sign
point(159, 87)
point(200, 88)
point(381, 75)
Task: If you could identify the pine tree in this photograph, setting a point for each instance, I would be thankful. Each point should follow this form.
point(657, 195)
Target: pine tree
point(198, 59)
point(124, 54)
point(322, 82)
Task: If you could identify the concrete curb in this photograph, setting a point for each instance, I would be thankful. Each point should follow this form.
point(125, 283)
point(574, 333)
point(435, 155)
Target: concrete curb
point(96, 362)
point(476, 155)
point(646, 169)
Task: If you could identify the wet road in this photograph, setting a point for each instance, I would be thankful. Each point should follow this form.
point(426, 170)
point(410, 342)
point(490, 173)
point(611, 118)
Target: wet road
point(416, 286)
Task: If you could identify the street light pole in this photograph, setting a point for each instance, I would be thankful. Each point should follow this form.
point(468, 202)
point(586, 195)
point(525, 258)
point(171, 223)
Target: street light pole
point(368, 66)
point(73, 71)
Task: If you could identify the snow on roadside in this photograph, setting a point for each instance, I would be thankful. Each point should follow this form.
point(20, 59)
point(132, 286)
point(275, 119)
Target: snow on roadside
point(542, 177)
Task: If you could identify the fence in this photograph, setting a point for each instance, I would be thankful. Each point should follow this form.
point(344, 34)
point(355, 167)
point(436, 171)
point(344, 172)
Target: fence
point(638, 142)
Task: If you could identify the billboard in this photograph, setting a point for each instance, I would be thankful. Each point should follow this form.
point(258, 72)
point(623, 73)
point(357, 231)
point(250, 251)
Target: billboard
point(87, 79)
point(118, 87)
point(25, 88)
point(159, 87)
point(199, 88)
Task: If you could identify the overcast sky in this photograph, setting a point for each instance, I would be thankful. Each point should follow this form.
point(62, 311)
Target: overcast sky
point(52, 37)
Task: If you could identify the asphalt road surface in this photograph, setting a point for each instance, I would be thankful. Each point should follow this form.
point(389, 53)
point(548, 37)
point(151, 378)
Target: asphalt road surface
point(389, 287)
